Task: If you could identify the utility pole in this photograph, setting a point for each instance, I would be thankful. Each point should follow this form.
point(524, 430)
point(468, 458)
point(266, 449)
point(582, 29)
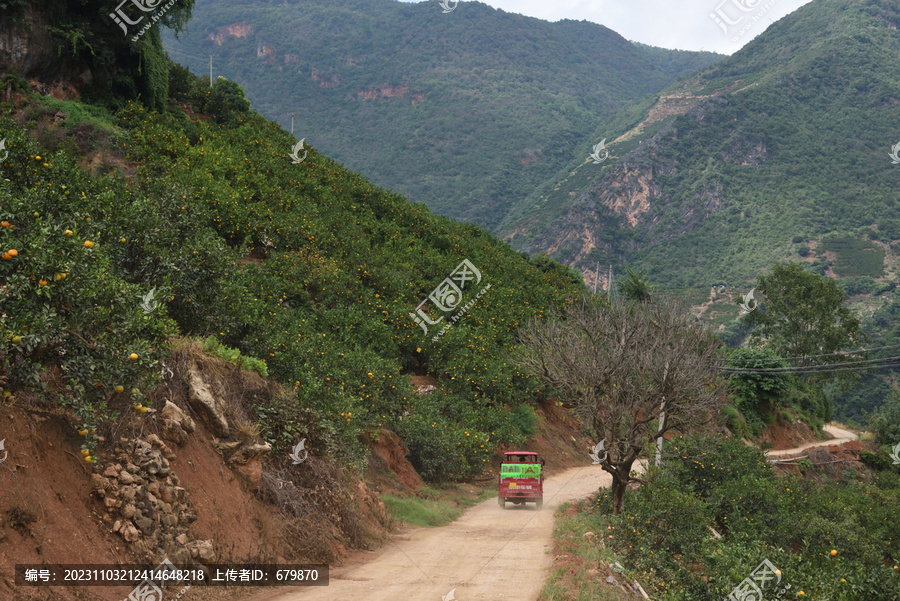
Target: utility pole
point(292, 124)
point(609, 290)
point(662, 421)
point(210, 70)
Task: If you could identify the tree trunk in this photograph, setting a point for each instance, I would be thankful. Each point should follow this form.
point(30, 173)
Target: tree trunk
point(621, 476)
point(618, 494)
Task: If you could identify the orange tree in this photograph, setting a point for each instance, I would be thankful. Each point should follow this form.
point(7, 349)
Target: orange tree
point(333, 268)
point(63, 308)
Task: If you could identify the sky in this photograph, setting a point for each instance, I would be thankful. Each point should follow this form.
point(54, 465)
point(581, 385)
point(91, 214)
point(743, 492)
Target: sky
point(676, 24)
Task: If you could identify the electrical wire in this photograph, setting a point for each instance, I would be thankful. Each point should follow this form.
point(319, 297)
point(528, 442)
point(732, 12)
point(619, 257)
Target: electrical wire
point(826, 368)
point(835, 354)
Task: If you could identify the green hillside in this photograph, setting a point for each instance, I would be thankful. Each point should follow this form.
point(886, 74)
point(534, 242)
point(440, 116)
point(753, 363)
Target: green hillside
point(788, 140)
point(466, 112)
point(174, 211)
point(305, 266)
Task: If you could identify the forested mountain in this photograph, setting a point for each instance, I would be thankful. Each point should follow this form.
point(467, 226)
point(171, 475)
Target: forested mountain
point(779, 151)
point(466, 111)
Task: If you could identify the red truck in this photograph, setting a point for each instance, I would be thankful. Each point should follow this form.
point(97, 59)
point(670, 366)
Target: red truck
point(521, 479)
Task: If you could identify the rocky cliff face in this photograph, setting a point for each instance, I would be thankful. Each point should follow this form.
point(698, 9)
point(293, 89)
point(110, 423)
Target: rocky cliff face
point(27, 45)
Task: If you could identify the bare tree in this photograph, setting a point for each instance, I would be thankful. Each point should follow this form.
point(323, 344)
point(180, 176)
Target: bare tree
point(619, 365)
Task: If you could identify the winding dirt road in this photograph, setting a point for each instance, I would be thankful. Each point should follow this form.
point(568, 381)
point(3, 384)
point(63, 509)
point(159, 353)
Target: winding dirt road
point(488, 553)
point(840, 436)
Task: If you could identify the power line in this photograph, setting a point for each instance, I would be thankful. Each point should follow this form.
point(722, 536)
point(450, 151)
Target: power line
point(835, 354)
point(849, 366)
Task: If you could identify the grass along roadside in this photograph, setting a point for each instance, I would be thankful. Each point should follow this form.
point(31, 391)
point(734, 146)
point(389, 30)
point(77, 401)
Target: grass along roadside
point(581, 565)
point(436, 506)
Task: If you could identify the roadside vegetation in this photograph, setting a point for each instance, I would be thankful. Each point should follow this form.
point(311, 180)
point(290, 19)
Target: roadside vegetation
point(436, 506)
point(703, 523)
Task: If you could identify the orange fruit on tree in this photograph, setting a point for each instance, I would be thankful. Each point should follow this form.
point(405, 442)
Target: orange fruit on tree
point(133, 356)
point(68, 232)
point(4, 223)
point(833, 552)
point(88, 244)
point(16, 339)
point(120, 389)
point(83, 432)
point(5, 256)
point(85, 452)
point(42, 282)
point(13, 252)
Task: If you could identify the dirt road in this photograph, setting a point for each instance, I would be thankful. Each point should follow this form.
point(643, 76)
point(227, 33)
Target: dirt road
point(840, 436)
point(488, 553)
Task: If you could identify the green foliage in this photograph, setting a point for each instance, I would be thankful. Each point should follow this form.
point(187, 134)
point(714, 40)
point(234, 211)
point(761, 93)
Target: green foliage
point(181, 82)
point(757, 395)
point(734, 333)
point(449, 438)
point(860, 400)
point(525, 419)
point(736, 422)
point(547, 265)
point(885, 421)
point(283, 422)
point(213, 347)
point(329, 270)
point(65, 308)
point(226, 101)
point(665, 540)
point(855, 257)
point(876, 461)
point(862, 285)
point(634, 287)
point(752, 171)
point(802, 314)
point(421, 512)
point(122, 67)
point(14, 6)
point(524, 97)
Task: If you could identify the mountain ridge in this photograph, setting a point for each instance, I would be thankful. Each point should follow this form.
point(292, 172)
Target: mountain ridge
point(465, 111)
point(746, 137)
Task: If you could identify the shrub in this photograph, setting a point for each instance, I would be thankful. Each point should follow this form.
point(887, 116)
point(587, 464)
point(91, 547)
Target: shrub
point(793, 522)
point(663, 528)
point(885, 421)
point(876, 461)
point(212, 346)
point(227, 101)
point(736, 422)
point(63, 306)
point(525, 419)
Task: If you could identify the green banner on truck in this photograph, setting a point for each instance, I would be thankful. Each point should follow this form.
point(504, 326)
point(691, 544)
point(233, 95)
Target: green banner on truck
point(520, 470)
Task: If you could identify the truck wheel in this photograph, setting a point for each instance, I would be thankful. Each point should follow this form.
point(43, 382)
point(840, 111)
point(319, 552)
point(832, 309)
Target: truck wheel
point(501, 502)
point(539, 503)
